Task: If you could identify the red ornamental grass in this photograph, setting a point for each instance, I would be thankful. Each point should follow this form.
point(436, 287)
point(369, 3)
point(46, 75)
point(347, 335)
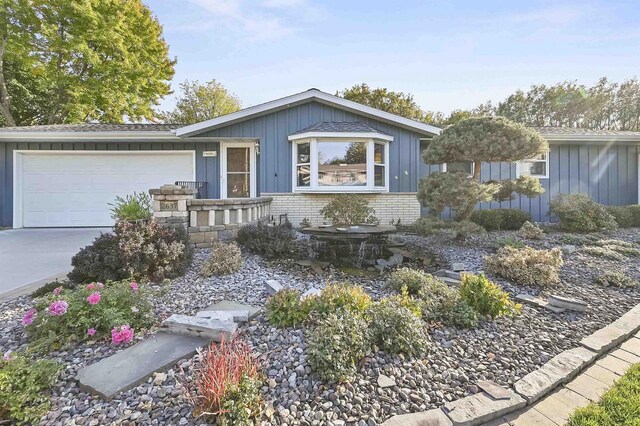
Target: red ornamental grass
point(222, 367)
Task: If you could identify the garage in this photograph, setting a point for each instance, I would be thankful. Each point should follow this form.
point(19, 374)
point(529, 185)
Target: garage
point(71, 189)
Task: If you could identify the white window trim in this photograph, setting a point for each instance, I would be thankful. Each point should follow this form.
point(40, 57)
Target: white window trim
point(252, 166)
point(313, 166)
point(546, 160)
point(473, 166)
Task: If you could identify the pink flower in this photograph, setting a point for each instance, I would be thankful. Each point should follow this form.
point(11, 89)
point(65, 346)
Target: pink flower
point(57, 290)
point(28, 317)
point(91, 331)
point(123, 334)
point(94, 298)
point(134, 286)
point(90, 286)
point(100, 285)
point(7, 355)
point(58, 308)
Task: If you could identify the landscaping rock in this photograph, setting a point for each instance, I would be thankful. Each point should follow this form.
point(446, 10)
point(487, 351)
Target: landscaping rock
point(435, 417)
point(227, 305)
point(132, 366)
point(568, 248)
point(311, 292)
point(458, 267)
point(536, 301)
point(237, 316)
point(481, 408)
point(560, 369)
point(494, 390)
point(615, 333)
point(567, 303)
point(272, 287)
point(199, 327)
point(386, 381)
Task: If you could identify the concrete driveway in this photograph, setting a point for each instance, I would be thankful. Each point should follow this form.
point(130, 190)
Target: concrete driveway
point(32, 257)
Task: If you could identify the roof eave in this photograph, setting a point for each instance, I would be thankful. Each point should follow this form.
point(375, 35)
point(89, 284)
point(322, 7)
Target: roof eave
point(350, 135)
point(602, 139)
point(93, 136)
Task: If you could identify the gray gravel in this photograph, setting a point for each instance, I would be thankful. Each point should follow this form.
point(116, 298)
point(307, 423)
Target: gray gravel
point(503, 350)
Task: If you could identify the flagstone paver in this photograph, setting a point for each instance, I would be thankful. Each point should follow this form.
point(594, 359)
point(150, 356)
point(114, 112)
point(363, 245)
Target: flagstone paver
point(559, 406)
point(481, 408)
point(435, 417)
point(528, 417)
point(601, 374)
point(588, 387)
point(614, 364)
point(199, 327)
point(227, 305)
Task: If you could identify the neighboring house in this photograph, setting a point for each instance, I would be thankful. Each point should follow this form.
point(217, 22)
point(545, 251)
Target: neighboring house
point(298, 150)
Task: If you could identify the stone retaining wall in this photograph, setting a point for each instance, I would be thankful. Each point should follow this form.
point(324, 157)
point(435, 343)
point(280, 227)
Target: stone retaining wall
point(206, 220)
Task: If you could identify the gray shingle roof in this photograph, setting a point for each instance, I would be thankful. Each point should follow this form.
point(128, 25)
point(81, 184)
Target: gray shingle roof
point(572, 131)
point(95, 127)
point(340, 126)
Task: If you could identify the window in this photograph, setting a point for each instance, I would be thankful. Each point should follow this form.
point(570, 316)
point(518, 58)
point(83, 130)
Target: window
point(332, 165)
point(536, 167)
point(465, 166)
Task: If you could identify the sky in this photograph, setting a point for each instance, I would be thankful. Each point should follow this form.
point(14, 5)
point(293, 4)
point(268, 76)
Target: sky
point(449, 54)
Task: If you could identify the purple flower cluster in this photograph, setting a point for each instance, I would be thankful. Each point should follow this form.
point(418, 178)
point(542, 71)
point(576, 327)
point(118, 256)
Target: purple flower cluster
point(29, 316)
point(58, 308)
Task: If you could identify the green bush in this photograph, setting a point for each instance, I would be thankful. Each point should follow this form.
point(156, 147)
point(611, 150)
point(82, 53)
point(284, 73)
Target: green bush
point(136, 250)
point(623, 215)
point(349, 209)
point(287, 309)
point(341, 296)
point(509, 242)
point(50, 286)
point(396, 329)
point(428, 226)
point(24, 387)
point(611, 249)
point(486, 297)
point(526, 266)
point(530, 231)
point(337, 344)
point(225, 258)
point(136, 206)
point(604, 252)
point(579, 213)
point(616, 279)
point(500, 219)
point(87, 313)
point(415, 281)
point(439, 302)
point(464, 229)
point(271, 241)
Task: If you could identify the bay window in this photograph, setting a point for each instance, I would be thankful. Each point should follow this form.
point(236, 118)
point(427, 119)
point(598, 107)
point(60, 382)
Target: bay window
point(340, 165)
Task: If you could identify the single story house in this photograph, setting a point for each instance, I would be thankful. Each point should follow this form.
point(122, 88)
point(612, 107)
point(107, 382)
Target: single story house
point(298, 150)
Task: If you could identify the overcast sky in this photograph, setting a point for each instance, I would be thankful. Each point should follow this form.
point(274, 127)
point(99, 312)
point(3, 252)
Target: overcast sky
point(448, 54)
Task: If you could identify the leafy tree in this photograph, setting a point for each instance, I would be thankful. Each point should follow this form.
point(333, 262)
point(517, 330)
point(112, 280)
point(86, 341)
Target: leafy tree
point(200, 102)
point(398, 103)
point(478, 140)
point(67, 61)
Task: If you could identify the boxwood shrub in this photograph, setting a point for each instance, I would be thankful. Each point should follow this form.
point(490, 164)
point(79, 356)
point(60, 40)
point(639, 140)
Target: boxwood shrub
point(500, 219)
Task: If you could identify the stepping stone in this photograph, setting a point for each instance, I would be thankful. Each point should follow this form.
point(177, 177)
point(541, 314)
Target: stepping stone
point(481, 408)
point(128, 368)
point(435, 417)
point(199, 327)
point(272, 287)
point(458, 267)
point(566, 303)
point(227, 305)
point(386, 381)
point(446, 273)
point(536, 301)
point(494, 390)
point(237, 316)
point(311, 292)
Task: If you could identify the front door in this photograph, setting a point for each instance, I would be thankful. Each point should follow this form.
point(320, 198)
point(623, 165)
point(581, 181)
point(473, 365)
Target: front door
point(238, 178)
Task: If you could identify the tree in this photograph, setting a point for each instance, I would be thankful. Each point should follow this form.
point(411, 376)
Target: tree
point(200, 102)
point(398, 103)
point(478, 140)
point(67, 61)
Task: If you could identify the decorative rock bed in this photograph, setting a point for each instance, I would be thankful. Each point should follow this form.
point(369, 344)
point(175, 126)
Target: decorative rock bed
point(503, 351)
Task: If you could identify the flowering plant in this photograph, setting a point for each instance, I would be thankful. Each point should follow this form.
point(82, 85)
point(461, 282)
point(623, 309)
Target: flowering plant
point(86, 314)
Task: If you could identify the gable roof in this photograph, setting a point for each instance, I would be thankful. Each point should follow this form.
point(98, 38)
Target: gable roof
point(303, 97)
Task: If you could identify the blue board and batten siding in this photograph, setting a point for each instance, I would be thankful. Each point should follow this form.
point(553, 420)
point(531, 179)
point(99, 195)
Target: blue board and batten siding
point(275, 165)
point(609, 174)
point(206, 167)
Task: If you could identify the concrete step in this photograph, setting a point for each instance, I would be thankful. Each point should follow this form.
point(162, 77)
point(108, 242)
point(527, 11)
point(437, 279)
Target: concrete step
point(132, 366)
point(204, 328)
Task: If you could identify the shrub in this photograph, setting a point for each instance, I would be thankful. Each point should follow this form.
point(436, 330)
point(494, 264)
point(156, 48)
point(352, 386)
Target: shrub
point(579, 213)
point(463, 230)
point(623, 215)
point(270, 241)
point(348, 209)
point(396, 329)
point(415, 281)
point(226, 384)
point(50, 286)
point(337, 344)
point(530, 231)
point(526, 266)
point(441, 303)
point(486, 297)
point(622, 247)
point(135, 250)
point(287, 309)
point(604, 252)
point(341, 296)
point(509, 242)
point(616, 279)
point(500, 219)
point(89, 312)
point(136, 206)
point(403, 299)
point(428, 226)
point(24, 388)
point(225, 258)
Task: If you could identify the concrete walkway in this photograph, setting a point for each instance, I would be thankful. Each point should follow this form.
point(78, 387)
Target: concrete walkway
point(587, 387)
point(31, 257)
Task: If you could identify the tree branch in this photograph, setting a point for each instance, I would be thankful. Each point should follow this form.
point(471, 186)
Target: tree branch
point(4, 93)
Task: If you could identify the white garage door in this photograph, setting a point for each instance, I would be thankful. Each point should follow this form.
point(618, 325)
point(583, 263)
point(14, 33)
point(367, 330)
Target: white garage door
point(75, 188)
